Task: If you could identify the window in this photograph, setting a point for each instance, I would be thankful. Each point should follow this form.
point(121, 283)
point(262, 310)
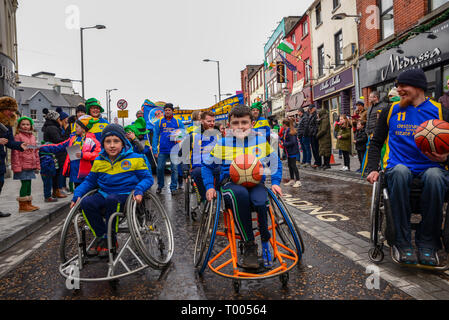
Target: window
point(307, 70)
point(387, 21)
point(336, 4)
point(33, 114)
point(295, 77)
point(338, 40)
point(294, 38)
point(321, 60)
point(305, 28)
point(318, 14)
point(434, 4)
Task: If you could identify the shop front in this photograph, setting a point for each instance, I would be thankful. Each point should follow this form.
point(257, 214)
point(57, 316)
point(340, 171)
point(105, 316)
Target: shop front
point(430, 53)
point(7, 76)
point(337, 95)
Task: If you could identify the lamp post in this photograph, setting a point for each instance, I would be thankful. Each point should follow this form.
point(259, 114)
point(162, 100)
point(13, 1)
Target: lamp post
point(218, 66)
point(108, 102)
point(98, 26)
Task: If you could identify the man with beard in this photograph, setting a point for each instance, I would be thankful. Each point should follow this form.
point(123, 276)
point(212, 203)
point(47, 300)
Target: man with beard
point(404, 161)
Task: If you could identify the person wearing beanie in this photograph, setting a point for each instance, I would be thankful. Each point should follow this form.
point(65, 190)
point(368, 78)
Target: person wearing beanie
point(79, 111)
point(65, 127)
point(404, 161)
point(136, 133)
point(94, 109)
point(116, 172)
point(393, 95)
point(79, 166)
point(139, 114)
point(165, 132)
point(262, 125)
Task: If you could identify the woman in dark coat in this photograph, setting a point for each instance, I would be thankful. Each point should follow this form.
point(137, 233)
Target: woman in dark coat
point(291, 148)
point(53, 134)
point(324, 138)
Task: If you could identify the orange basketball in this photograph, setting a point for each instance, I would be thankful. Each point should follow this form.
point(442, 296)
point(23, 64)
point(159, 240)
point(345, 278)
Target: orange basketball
point(433, 136)
point(246, 170)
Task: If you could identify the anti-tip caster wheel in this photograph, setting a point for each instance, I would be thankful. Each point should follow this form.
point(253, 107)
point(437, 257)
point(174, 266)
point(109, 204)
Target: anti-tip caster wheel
point(376, 254)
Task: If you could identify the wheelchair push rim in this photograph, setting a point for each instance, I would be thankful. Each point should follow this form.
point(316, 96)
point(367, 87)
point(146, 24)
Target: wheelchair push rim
point(204, 234)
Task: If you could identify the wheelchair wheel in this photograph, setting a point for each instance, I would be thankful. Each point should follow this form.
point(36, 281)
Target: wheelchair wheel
point(151, 231)
point(375, 212)
point(76, 237)
point(376, 254)
point(286, 227)
point(187, 192)
point(204, 234)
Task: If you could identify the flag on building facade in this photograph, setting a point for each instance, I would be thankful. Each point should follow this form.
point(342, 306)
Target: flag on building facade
point(286, 47)
point(288, 64)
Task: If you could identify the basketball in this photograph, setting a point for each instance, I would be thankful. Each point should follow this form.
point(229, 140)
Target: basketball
point(433, 136)
point(246, 170)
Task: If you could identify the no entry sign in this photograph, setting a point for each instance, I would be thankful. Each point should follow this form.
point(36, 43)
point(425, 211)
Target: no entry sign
point(122, 104)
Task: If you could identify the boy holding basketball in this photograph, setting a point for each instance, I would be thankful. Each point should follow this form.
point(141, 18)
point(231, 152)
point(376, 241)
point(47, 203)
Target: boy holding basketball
point(244, 141)
point(404, 161)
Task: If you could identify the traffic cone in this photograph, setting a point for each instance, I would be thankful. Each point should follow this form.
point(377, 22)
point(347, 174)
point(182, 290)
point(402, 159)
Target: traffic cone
point(332, 159)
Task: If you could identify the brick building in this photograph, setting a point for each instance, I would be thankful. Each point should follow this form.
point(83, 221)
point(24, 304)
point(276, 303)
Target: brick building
point(245, 75)
point(395, 36)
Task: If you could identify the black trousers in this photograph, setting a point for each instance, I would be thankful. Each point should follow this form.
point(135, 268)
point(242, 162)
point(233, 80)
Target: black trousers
point(361, 154)
point(294, 173)
point(315, 150)
point(346, 159)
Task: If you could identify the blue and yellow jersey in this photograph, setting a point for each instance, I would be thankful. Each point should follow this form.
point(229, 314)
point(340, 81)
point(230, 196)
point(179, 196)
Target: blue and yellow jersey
point(127, 173)
point(262, 126)
point(400, 143)
point(228, 148)
point(163, 140)
point(202, 145)
point(98, 128)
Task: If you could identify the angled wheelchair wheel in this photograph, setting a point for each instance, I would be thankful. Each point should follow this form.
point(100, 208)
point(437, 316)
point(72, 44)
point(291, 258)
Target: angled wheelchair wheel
point(286, 227)
point(76, 237)
point(187, 195)
point(151, 230)
point(375, 212)
point(204, 233)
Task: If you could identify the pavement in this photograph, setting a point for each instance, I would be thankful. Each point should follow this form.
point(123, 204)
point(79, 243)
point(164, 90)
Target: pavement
point(18, 226)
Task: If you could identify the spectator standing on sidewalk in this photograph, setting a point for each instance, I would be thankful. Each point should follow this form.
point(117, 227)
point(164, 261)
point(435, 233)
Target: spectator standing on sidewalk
point(373, 112)
point(25, 164)
point(304, 139)
point(8, 109)
point(312, 131)
point(360, 139)
point(444, 99)
point(291, 147)
point(343, 128)
point(324, 138)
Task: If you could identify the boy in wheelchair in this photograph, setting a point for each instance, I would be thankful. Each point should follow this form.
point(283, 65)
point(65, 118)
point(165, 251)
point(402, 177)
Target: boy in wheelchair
point(116, 173)
point(404, 162)
point(243, 140)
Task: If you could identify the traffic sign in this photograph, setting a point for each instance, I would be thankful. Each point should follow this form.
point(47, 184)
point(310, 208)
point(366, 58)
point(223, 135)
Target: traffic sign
point(122, 114)
point(122, 104)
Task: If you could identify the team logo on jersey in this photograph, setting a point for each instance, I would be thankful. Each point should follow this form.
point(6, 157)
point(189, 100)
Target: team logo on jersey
point(101, 126)
point(164, 125)
point(126, 165)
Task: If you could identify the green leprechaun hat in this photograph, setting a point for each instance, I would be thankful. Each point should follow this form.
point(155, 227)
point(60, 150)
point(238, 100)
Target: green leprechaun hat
point(93, 102)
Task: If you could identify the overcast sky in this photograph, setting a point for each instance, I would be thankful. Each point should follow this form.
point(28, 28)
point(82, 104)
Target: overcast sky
point(150, 49)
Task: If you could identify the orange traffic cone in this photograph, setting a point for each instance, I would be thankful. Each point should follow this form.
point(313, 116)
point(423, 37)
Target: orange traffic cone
point(332, 159)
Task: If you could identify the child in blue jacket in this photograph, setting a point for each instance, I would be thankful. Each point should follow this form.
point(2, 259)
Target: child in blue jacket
point(116, 173)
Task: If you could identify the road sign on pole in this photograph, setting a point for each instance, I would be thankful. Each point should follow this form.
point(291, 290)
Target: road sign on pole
point(122, 104)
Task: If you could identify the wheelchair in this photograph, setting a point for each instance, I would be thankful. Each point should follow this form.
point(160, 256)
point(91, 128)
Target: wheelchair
point(286, 244)
point(143, 232)
point(192, 197)
point(382, 226)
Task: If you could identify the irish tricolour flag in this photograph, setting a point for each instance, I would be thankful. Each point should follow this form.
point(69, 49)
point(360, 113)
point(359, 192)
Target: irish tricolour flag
point(286, 46)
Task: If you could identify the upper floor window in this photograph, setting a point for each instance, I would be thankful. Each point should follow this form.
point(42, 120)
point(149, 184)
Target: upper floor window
point(386, 18)
point(338, 38)
point(33, 114)
point(294, 38)
point(336, 3)
point(307, 70)
point(305, 28)
point(318, 14)
point(321, 60)
point(434, 4)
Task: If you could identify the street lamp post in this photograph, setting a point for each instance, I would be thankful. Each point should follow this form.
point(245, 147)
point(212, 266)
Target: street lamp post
point(219, 84)
point(108, 102)
point(99, 26)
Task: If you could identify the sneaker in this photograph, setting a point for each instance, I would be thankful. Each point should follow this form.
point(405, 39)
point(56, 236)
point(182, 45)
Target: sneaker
point(250, 259)
point(405, 255)
point(174, 191)
point(103, 250)
point(297, 184)
point(326, 167)
point(159, 190)
point(344, 168)
point(291, 182)
point(359, 170)
point(4, 214)
point(95, 248)
point(428, 256)
point(51, 199)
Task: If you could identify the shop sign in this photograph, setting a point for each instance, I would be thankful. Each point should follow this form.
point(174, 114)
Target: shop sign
point(341, 81)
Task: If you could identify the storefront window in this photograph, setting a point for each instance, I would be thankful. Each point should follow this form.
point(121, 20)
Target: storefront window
point(445, 79)
point(431, 83)
point(383, 90)
point(333, 105)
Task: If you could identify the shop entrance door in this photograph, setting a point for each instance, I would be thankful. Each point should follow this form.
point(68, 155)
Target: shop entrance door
point(333, 105)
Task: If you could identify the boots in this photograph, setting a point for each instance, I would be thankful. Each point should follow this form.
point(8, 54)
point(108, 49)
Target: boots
point(23, 205)
point(250, 259)
point(59, 194)
point(30, 199)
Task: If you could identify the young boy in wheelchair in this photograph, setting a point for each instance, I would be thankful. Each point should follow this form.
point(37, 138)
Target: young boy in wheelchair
point(404, 162)
point(244, 140)
point(116, 173)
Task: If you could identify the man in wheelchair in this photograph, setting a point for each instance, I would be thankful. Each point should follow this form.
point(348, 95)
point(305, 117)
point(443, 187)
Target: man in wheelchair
point(403, 162)
point(243, 140)
point(116, 173)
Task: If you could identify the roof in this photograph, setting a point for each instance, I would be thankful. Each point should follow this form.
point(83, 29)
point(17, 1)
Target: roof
point(55, 98)
point(73, 99)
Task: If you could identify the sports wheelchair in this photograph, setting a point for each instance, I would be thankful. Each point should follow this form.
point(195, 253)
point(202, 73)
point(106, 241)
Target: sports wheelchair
point(382, 225)
point(286, 244)
point(192, 197)
point(143, 232)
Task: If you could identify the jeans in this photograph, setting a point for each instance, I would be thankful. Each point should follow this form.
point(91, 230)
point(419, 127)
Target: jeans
point(307, 152)
point(48, 184)
point(435, 185)
point(161, 160)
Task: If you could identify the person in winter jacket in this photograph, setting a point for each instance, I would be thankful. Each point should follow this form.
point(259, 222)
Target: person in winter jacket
point(343, 129)
point(116, 172)
point(360, 140)
point(94, 109)
point(324, 137)
point(291, 146)
point(79, 168)
point(8, 108)
point(304, 139)
point(25, 164)
point(312, 128)
point(49, 166)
